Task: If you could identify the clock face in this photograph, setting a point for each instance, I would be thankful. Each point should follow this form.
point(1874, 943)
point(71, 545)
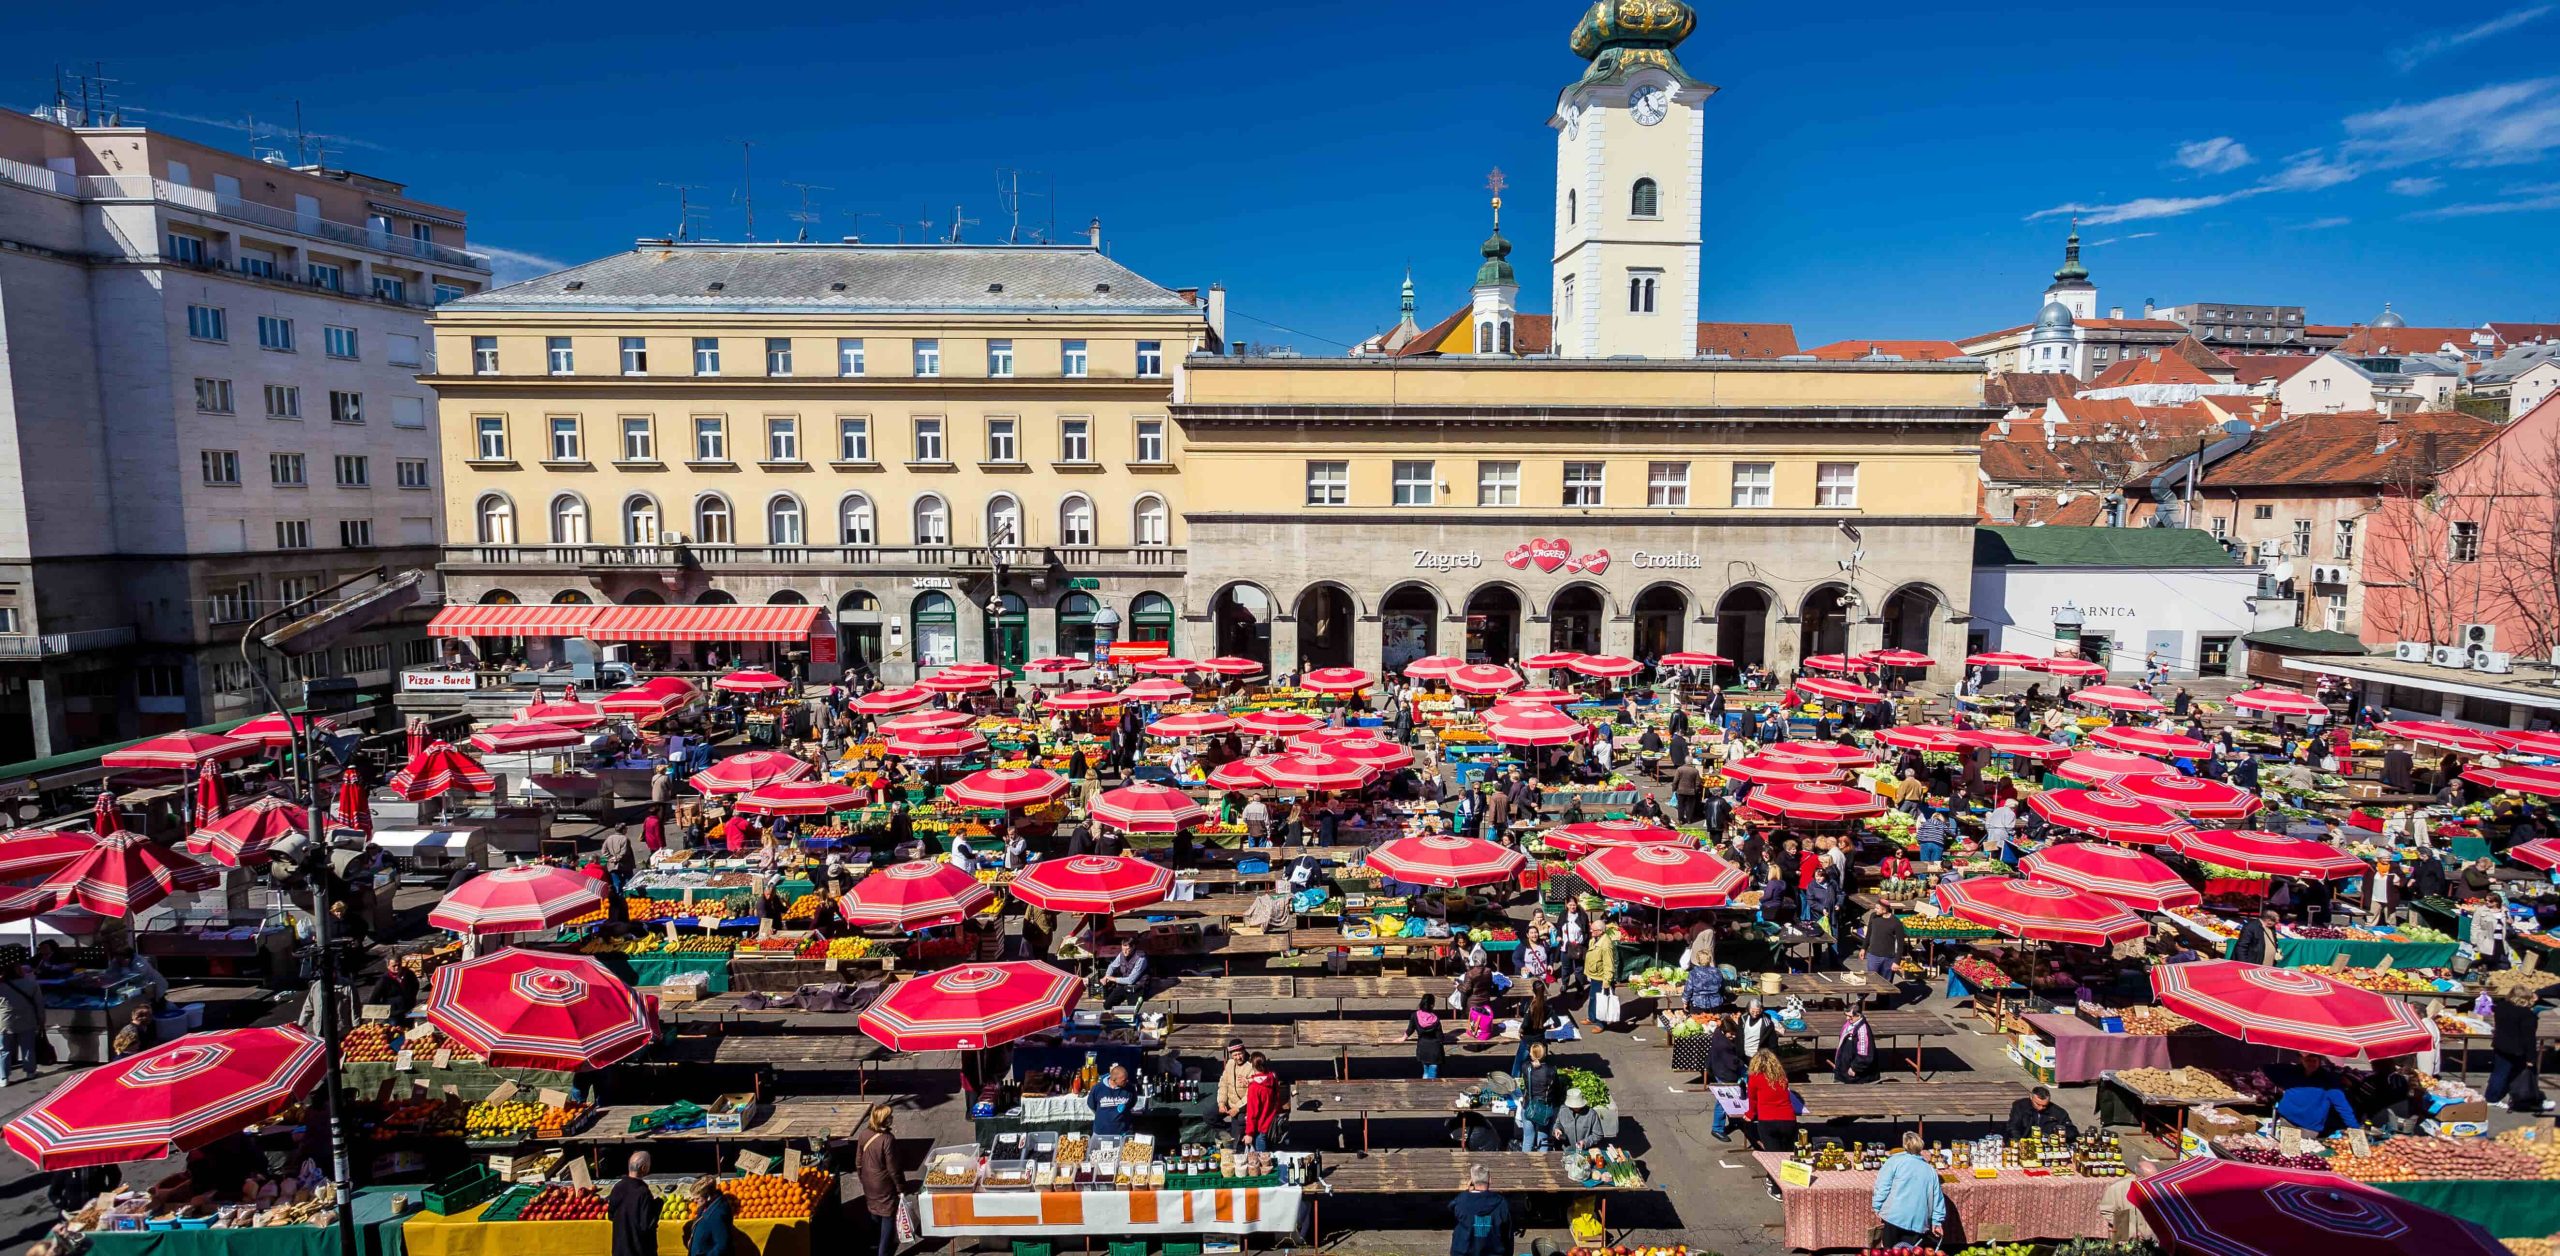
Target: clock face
point(1649, 104)
point(1572, 123)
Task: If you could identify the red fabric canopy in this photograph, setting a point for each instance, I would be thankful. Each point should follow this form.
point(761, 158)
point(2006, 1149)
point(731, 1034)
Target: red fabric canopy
point(2111, 816)
point(916, 895)
point(971, 1006)
point(781, 624)
point(2150, 741)
point(170, 1099)
point(536, 1009)
point(753, 769)
point(2191, 795)
point(2290, 1008)
point(1591, 835)
point(997, 788)
point(241, 838)
point(126, 873)
point(1146, 808)
point(2275, 854)
point(1100, 884)
point(799, 798)
point(1675, 878)
point(751, 681)
point(2041, 912)
point(2278, 702)
point(179, 750)
point(1814, 800)
point(2127, 876)
point(510, 619)
point(2213, 1207)
point(519, 899)
point(1446, 861)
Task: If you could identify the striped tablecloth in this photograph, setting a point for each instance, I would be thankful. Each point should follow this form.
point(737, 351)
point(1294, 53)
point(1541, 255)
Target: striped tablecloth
point(1834, 1211)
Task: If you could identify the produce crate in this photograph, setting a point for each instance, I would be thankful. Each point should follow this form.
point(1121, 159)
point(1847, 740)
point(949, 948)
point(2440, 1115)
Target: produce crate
point(1033, 1247)
point(463, 1191)
point(509, 1206)
point(1128, 1247)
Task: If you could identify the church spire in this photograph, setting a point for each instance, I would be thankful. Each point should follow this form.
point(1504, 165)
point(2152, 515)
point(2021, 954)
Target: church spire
point(1497, 287)
point(2072, 271)
point(1496, 250)
point(1406, 303)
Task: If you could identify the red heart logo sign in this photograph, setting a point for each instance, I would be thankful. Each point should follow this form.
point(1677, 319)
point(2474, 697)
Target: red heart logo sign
point(1596, 561)
point(1517, 558)
point(1549, 554)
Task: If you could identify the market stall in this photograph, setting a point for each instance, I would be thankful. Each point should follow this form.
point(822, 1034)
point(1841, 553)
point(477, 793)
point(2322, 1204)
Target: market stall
point(1829, 1208)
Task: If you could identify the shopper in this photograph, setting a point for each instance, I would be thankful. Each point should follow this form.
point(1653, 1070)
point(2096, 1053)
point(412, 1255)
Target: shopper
point(1483, 1218)
point(1265, 1093)
point(1423, 1031)
point(633, 1209)
point(1539, 1085)
point(21, 1022)
point(1910, 1206)
point(1772, 1104)
point(1599, 971)
point(1234, 1087)
point(708, 1233)
point(1578, 1125)
point(875, 1167)
point(1725, 1067)
point(1853, 1058)
point(2514, 1080)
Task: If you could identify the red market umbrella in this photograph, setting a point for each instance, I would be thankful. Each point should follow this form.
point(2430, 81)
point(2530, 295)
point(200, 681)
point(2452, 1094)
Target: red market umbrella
point(1231, 666)
point(919, 721)
point(753, 769)
point(1694, 658)
point(525, 735)
point(2111, 816)
point(799, 798)
point(1591, 835)
point(1155, 689)
point(1445, 861)
point(28, 853)
point(208, 794)
point(125, 873)
point(273, 730)
point(2517, 780)
point(949, 680)
point(1006, 788)
point(2290, 1009)
point(1837, 663)
point(1385, 756)
point(1103, 885)
point(2459, 738)
point(2542, 853)
point(916, 895)
point(1899, 658)
point(751, 680)
point(1244, 773)
point(971, 1006)
point(1081, 700)
point(1335, 680)
point(351, 809)
point(1538, 695)
point(1281, 723)
point(2106, 767)
point(439, 768)
point(2009, 741)
point(157, 1103)
point(2542, 742)
point(892, 701)
point(1167, 666)
point(1798, 800)
point(1926, 737)
point(567, 713)
point(2278, 702)
point(24, 903)
point(1316, 772)
point(241, 838)
point(520, 899)
point(1606, 666)
point(1147, 808)
point(2040, 912)
point(2213, 1207)
point(2000, 658)
point(104, 818)
point(1674, 878)
point(1057, 664)
point(2275, 854)
point(180, 751)
point(651, 699)
point(2150, 741)
point(2191, 796)
point(1837, 690)
point(1484, 678)
point(1434, 667)
point(1830, 753)
point(937, 743)
point(1767, 769)
point(537, 1009)
point(989, 671)
point(2118, 698)
point(1550, 660)
point(1192, 724)
point(2127, 876)
point(1323, 740)
point(2067, 667)
point(1535, 726)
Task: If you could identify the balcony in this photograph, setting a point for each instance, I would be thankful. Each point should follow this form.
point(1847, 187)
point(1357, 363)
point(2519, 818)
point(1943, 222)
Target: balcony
point(937, 558)
point(103, 187)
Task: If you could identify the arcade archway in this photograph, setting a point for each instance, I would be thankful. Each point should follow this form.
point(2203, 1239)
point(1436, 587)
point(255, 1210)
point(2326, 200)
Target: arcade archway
point(1325, 616)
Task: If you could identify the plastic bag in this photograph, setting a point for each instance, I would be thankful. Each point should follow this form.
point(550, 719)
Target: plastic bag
point(1584, 1216)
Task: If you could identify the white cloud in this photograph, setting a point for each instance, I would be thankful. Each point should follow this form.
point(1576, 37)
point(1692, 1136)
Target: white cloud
point(2416, 186)
point(2501, 124)
point(2141, 208)
point(2134, 235)
point(2309, 172)
point(2476, 209)
point(515, 265)
point(2408, 58)
point(2219, 155)
point(2322, 224)
point(271, 134)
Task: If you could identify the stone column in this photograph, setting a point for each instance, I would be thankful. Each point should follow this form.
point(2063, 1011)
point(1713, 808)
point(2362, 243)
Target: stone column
point(1284, 644)
point(1783, 639)
point(1618, 635)
point(1865, 636)
point(1369, 644)
point(1044, 631)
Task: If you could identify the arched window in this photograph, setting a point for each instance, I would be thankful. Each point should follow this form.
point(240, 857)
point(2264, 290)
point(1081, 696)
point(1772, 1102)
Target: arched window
point(1075, 520)
point(1153, 525)
point(1506, 337)
point(568, 520)
point(1484, 337)
point(497, 520)
point(571, 597)
point(1151, 618)
point(712, 524)
point(933, 521)
point(1075, 625)
point(854, 514)
point(937, 626)
point(1646, 202)
point(1570, 216)
point(1004, 520)
point(783, 522)
point(640, 520)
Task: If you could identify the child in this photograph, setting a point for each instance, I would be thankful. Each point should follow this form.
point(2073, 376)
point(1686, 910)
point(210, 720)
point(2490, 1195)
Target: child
point(1424, 1033)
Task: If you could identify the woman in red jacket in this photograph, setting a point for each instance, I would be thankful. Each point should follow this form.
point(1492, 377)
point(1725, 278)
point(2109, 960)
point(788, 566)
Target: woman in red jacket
point(1773, 1104)
point(1262, 1099)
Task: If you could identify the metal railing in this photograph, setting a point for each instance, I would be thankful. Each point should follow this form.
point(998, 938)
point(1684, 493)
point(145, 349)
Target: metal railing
point(204, 202)
point(721, 556)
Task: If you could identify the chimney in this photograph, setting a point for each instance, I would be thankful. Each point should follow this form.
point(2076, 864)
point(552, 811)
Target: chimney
point(2117, 311)
point(2386, 433)
point(1093, 234)
point(1191, 295)
point(1218, 312)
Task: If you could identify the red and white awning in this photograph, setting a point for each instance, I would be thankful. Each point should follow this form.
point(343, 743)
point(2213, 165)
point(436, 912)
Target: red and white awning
point(706, 623)
point(511, 619)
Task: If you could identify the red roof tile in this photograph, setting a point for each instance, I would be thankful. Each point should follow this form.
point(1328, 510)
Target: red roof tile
point(2257, 368)
point(2015, 388)
point(2405, 339)
point(2145, 369)
point(1907, 350)
point(1747, 340)
point(2351, 448)
point(2524, 333)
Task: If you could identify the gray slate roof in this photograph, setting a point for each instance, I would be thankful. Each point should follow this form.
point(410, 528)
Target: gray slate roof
point(2514, 362)
point(842, 278)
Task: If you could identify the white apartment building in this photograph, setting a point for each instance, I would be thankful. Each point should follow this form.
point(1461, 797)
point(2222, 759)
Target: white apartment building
point(209, 408)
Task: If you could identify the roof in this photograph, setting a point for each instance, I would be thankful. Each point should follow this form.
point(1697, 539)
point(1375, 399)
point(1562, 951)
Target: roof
point(2311, 640)
point(2203, 359)
point(2328, 331)
point(2258, 368)
point(2522, 333)
point(2065, 509)
point(1907, 350)
point(1535, 333)
point(990, 278)
point(2015, 388)
point(2143, 368)
point(1747, 340)
point(2134, 324)
point(2405, 339)
point(2351, 448)
point(2516, 361)
point(2097, 547)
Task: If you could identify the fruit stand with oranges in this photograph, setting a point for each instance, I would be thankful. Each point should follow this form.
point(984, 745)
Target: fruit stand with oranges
point(557, 1219)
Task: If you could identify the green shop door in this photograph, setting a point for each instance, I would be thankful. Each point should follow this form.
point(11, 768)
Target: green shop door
point(1009, 633)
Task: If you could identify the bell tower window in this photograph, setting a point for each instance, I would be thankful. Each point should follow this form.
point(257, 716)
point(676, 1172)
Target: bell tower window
point(1570, 216)
point(1646, 200)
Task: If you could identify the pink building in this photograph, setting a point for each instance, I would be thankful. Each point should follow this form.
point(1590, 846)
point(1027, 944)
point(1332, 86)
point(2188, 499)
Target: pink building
point(2475, 561)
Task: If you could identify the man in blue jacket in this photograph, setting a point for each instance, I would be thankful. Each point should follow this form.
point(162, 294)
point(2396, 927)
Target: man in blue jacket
point(2313, 1092)
point(1483, 1218)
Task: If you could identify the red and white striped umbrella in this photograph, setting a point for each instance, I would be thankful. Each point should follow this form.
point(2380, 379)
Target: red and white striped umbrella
point(1001, 788)
point(2040, 912)
point(751, 680)
point(2532, 741)
point(180, 751)
point(2111, 816)
point(1551, 660)
point(1925, 737)
point(1384, 756)
point(2213, 1207)
point(2276, 854)
point(105, 817)
point(1231, 666)
point(2278, 702)
point(982, 670)
point(2010, 742)
point(753, 769)
point(2127, 876)
point(2191, 796)
point(1167, 666)
point(2290, 1009)
point(1535, 726)
point(971, 1007)
point(916, 895)
point(1057, 665)
point(1767, 769)
point(438, 769)
point(1316, 771)
point(1147, 808)
point(273, 730)
point(1694, 658)
point(1280, 723)
point(208, 795)
point(799, 798)
point(892, 701)
point(1244, 773)
point(2542, 853)
point(2118, 698)
point(241, 839)
point(538, 1009)
point(2151, 741)
point(1433, 667)
point(1335, 680)
point(925, 720)
point(937, 743)
point(154, 1104)
point(2460, 738)
point(125, 873)
point(351, 809)
point(1898, 658)
point(1097, 884)
point(567, 713)
point(1606, 666)
point(27, 903)
point(1446, 861)
point(949, 680)
point(1800, 800)
point(1837, 663)
point(1322, 740)
point(2519, 779)
point(1829, 753)
point(2000, 658)
point(2105, 767)
point(651, 699)
point(1192, 724)
point(1590, 835)
point(525, 736)
point(1156, 689)
point(1483, 678)
point(2060, 666)
point(1674, 878)
point(1838, 690)
point(521, 899)
point(28, 853)
point(1081, 700)
point(1537, 695)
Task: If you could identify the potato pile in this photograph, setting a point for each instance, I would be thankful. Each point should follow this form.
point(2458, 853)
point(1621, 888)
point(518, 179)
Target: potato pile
point(2194, 1085)
point(2544, 1150)
point(2414, 1159)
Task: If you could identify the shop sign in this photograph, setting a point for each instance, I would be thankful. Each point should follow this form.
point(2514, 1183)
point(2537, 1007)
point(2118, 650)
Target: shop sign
point(434, 681)
point(2099, 612)
point(1681, 560)
point(822, 648)
point(1554, 554)
point(1446, 560)
point(1084, 582)
point(928, 582)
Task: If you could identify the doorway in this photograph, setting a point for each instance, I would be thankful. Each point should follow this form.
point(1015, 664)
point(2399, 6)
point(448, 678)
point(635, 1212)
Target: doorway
point(1906, 619)
point(1742, 630)
point(1573, 620)
point(1408, 626)
point(1661, 614)
point(1009, 631)
point(1824, 625)
point(1240, 623)
point(858, 623)
point(1493, 625)
point(1324, 627)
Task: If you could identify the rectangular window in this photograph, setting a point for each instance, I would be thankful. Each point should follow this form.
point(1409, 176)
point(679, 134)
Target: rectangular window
point(232, 605)
point(2302, 538)
point(2462, 545)
point(1150, 359)
point(1075, 440)
point(1754, 484)
point(565, 444)
point(1641, 285)
point(221, 466)
point(2221, 527)
point(1415, 485)
point(1835, 484)
point(1000, 359)
point(560, 357)
point(286, 470)
point(2337, 612)
point(928, 359)
point(1564, 298)
point(849, 357)
point(706, 355)
point(9, 625)
point(412, 472)
point(326, 276)
point(1001, 445)
point(493, 437)
point(369, 658)
point(293, 534)
point(206, 322)
point(1666, 484)
point(391, 289)
point(408, 412)
point(710, 438)
point(404, 350)
point(782, 438)
point(346, 407)
point(284, 401)
point(448, 292)
point(1071, 359)
point(1497, 483)
point(639, 439)
point(853, 438)
point(186, 250)
point(777, 355)
point(213, 396)
point(1150, 440)
point(275, 333)
point(355, 533)
point(928, 440)
point(635, 355)
point(292, 591)
point(1582, 483)
point(354, 471)
point(2262, 512)
point(484, 355)
point(1328, 483)
point(257, 263)
point(2343, 545)
point(338, 342)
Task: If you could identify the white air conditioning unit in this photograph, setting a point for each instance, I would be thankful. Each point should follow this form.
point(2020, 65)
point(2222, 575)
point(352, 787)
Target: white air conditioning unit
point(2498, 661)
point(2328, 575)
point(2479, 636)
point(2451, 656)
point(2269, 551)
point(2414, 651)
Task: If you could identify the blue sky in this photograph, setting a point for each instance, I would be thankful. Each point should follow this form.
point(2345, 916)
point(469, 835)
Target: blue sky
point(1887, 170)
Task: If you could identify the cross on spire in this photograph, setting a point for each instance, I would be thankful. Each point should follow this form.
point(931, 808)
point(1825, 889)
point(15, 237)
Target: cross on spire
point(1494, 183)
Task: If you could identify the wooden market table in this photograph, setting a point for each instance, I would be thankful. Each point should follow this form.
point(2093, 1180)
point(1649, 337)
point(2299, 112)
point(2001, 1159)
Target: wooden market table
point(779, 1120)
point(1913, 1101)
point(1823, 1029)
point(463, 1234)
point(1443, 1171)
point(1835, 1211)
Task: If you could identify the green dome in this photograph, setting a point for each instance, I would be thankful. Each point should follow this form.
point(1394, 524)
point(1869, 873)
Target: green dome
point(1620, 36)
point(1497, 262)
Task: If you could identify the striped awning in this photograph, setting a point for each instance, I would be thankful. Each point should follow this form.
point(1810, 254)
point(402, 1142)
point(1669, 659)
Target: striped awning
point(706, 623)
point(511, 620)
point(1123, 651)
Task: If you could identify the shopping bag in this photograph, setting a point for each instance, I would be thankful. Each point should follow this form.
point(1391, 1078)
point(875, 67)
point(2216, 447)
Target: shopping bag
point(1606, 1007)
point(906, 1219)
point(1732, 1100)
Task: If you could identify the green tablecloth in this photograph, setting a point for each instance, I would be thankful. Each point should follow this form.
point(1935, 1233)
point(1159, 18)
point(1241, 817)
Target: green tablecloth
point(653, 970)
point(377, 1231)
point(2508, 1210)
point(475, 1081)
point(2318, 952)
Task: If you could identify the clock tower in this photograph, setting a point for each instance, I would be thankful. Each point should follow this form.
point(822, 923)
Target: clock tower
point(1630, 169)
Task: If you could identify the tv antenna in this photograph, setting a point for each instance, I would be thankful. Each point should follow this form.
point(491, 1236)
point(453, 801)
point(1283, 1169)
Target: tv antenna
point(856, 216)
point(685, 212)
point(805, 214)
point(924, 225)
point(1009, 193)
point(747, 189)
point(957, 223)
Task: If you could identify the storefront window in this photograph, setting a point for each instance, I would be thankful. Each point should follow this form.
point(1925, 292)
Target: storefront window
point(1075, 625)
point(937, 631)
point(1009, 633)
point(1151, 618)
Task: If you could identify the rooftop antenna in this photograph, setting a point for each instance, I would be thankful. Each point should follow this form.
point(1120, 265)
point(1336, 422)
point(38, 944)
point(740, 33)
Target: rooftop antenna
point(924, 225)
point(958, 222)
point(1009, 193)
point(685, 211)
point(747, 191)
point(805, 215)
point(857, 215)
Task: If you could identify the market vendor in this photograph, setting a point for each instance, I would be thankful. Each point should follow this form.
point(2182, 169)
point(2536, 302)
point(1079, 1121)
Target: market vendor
point(1124, 980)
point(1110, 1100)
point(2038, 1114)
point(2311, 1092)
point(1578, 1124)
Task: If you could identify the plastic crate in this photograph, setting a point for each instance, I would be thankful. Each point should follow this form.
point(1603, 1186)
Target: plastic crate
point(1128, 1247)
point(1033, 1247)
point(1178, 1249)
point(463, 1191)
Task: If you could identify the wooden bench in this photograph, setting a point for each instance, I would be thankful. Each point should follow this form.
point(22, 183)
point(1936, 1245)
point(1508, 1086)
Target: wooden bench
point(1823, 1029)
point(1912, 1101)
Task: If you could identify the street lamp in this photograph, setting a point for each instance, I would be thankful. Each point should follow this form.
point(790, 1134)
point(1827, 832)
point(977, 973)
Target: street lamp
point(318, 630)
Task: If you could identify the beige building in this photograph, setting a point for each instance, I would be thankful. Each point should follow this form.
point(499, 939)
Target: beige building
point(958, 452)
point(209, 409)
